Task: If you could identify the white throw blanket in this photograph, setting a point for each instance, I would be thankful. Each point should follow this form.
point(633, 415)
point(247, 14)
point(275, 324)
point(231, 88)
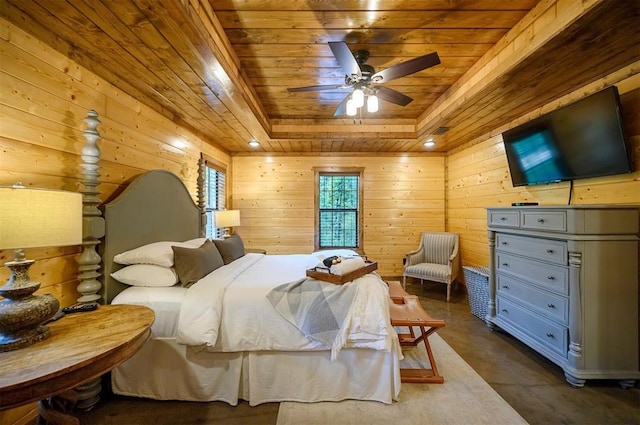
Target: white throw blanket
point(319, 309)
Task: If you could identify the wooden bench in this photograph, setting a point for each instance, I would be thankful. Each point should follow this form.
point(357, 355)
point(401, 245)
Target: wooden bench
point(406, 310)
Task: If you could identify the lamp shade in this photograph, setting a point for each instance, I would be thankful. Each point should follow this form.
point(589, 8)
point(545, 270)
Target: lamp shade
point(228, 218)
point(32, 218)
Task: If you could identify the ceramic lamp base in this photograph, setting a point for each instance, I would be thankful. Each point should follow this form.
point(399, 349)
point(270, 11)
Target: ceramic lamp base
point(21, 313)
point(23, 339)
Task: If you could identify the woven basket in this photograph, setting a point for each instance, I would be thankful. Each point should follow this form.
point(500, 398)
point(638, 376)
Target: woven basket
point(477, 279)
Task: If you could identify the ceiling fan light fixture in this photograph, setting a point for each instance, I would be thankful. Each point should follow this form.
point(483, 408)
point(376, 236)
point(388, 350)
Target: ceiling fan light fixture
point(358, 98)
point(372, 103)
point(358, 75)
point(352, 109)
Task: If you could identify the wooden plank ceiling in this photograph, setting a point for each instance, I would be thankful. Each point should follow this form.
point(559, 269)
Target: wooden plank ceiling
point(222, 67)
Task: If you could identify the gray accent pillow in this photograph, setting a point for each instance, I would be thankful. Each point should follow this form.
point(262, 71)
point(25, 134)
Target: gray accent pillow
point(231, 248)
point(192, 264)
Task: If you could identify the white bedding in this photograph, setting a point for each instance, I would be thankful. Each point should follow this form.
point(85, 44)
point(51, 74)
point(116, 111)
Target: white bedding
point(228, 311)
point(286, 367)
point(164, 301)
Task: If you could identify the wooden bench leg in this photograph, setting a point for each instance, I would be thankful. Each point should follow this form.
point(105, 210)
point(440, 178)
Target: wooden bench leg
point(430, 375)
point(406, 310)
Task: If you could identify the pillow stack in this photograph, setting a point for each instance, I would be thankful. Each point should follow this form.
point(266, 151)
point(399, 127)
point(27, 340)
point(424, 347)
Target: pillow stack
point(167, 263)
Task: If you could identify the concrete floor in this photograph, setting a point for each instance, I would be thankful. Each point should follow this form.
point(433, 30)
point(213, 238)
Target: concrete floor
point(534, 386)
point(531, 384)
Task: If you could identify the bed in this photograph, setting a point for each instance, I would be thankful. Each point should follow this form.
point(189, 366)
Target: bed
point(240, 344)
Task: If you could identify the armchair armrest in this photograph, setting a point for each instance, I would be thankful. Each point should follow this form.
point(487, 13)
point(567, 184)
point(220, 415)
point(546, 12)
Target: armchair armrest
point(414, 257)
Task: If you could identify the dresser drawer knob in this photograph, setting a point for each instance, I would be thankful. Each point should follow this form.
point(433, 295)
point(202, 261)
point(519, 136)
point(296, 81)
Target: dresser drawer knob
point(549, 251)
point(505, 243)
point(505, 286)
point(504, 310)
point(541, 220)
point(550, 278)
point(551, 305)
point(503, 218)
point(505, 264)
point(550, 335)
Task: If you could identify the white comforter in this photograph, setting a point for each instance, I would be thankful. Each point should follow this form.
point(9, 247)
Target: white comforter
point(228, 310)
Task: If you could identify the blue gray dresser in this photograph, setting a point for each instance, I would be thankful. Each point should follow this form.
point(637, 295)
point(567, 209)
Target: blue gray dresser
point(564, 280)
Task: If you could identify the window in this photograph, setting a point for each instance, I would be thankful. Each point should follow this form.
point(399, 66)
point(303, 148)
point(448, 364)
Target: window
point(339, 206)
point(215, 195)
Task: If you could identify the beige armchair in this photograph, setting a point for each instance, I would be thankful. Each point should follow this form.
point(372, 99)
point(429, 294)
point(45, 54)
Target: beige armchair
point(436, 260)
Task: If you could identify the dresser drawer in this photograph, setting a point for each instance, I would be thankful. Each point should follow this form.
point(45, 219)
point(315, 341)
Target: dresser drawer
point(551, 221)
point(547, 276)
point(504, 218)
point(542, 249)
point(551, 306)
point(546, 332)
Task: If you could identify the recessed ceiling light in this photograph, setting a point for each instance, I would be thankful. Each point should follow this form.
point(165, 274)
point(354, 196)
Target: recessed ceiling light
point(429, 143)
point(254, 143)
point(179, 143)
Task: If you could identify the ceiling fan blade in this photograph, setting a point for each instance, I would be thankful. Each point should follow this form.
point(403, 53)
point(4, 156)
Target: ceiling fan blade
point(406, 68)
point(345, 58)
point(390, 95)
point(317, 88)
point(342, 107)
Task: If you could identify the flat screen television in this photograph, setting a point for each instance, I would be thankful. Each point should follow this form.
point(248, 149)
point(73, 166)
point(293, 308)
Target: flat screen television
point(581, 140)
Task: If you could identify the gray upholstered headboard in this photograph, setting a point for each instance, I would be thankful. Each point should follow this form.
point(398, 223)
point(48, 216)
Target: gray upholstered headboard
point(155, 207)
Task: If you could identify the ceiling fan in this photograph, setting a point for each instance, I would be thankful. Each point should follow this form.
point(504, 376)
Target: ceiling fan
point(364, 80)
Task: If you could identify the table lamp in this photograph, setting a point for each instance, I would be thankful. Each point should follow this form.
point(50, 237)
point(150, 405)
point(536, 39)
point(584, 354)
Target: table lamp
point(227, 219)
point(32, 218)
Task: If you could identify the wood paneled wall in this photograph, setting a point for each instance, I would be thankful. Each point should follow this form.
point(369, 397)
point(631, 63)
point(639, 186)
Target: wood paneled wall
point(403, 196)
point(43, 100)
point(478, 174)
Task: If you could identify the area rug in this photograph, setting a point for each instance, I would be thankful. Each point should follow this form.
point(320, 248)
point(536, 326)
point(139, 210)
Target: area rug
point(464, 398)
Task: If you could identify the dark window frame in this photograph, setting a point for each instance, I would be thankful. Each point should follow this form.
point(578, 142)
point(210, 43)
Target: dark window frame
point(216, 172)
point(339, 171)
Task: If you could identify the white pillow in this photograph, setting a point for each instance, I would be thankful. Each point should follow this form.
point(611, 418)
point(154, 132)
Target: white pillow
point(158, 253)
point(146, 275)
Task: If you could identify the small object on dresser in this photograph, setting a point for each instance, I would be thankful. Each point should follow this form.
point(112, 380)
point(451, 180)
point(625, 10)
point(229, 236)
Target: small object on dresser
point(80, 307)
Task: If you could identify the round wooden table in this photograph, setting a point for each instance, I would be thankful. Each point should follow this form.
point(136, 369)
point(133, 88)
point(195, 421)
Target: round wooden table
point(82, 346)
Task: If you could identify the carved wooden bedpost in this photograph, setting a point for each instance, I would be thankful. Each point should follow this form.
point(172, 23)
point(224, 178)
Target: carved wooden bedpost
point(93, 222)
point(93, 229)
point(202, 200)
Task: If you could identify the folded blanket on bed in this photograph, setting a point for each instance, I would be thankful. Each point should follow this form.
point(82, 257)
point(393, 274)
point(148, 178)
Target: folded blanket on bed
point(347, 265)
point(320, 310)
